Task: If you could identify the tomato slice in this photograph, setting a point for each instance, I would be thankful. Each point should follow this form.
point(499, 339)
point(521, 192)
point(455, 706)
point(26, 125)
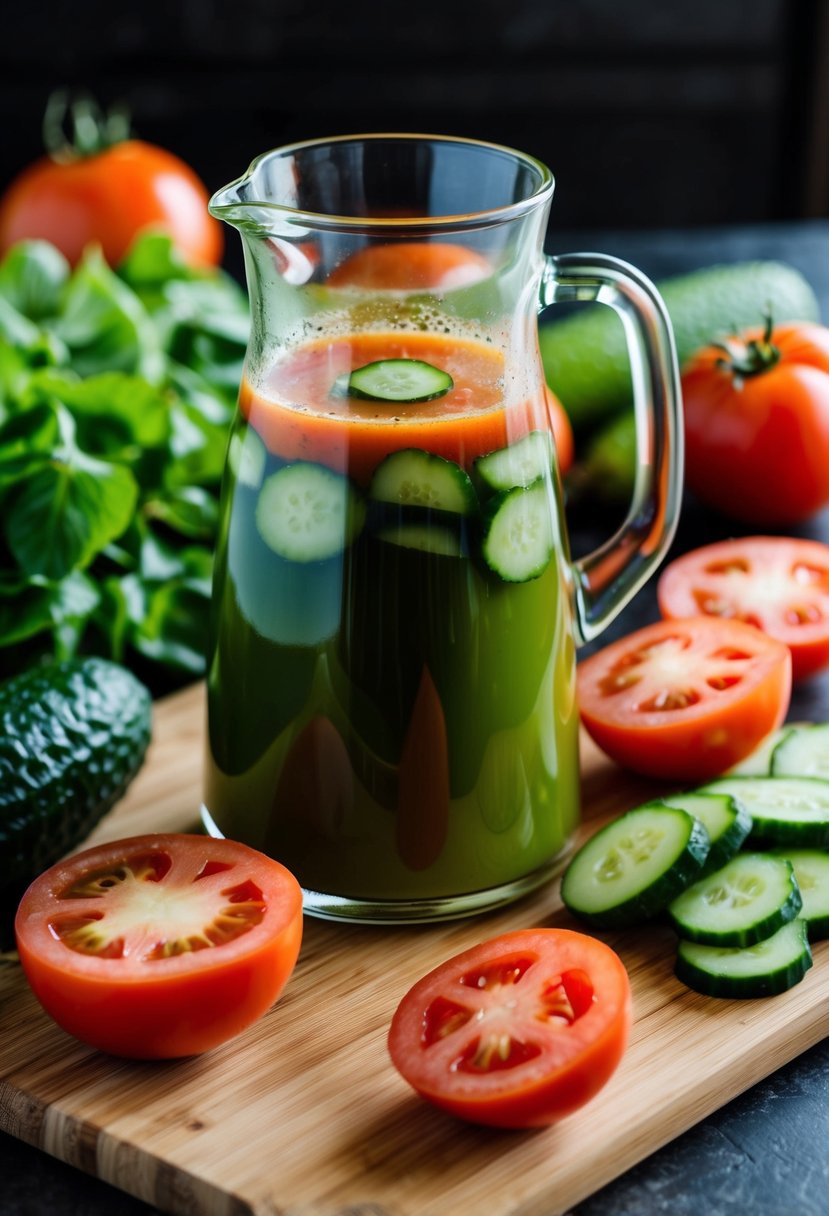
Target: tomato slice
point(780, 584)
point(518, 1031)
point(160, 946)
point(685, 699)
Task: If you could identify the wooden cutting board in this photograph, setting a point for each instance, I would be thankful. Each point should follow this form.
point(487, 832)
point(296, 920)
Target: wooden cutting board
point(303, 1115)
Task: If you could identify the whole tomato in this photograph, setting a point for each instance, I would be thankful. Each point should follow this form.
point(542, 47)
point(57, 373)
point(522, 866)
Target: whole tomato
point(757, 424)
point(101, 186)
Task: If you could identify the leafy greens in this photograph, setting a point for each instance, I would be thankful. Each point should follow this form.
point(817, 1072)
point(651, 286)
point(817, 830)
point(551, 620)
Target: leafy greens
point(117, 388)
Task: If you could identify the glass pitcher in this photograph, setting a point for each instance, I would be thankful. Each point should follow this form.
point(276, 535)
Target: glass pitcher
point(391, 686)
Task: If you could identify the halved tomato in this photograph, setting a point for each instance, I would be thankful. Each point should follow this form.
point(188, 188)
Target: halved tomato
point(160, 946)
point(687, 699)
point(780, 584)
point(518, 1031)
point(411, 266)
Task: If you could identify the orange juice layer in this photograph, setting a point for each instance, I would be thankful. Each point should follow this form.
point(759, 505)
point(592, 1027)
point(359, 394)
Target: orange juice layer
point(298, 418)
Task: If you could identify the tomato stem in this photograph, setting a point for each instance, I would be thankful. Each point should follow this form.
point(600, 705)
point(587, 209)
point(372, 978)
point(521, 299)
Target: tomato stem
point(75, 126)
point(749, 358)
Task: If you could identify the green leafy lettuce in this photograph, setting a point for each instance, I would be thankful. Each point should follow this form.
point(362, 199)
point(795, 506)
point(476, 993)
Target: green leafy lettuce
point(116, 392)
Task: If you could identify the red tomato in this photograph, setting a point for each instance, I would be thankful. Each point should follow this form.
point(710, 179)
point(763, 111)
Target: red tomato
point(160, 946)
point(685, 700)
point(780, 584)
point(757, 439)
point(518, 1031)
point(108, 198)
point(411, 266)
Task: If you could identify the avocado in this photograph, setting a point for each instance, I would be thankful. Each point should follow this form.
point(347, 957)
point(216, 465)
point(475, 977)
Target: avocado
point(585, 354)
point(72, 737)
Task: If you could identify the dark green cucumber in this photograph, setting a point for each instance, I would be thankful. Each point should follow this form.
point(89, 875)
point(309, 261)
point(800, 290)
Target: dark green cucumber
point(783, 810)
point(72, 737)
point(726, 821)
point(520, 464)
point(743, 903)
point(585, 355)
point(768, 968)
point(307, 513)
point(634, 867)
point(398, 381)
point(412, 477)
point(811, 871)
point(518, 539)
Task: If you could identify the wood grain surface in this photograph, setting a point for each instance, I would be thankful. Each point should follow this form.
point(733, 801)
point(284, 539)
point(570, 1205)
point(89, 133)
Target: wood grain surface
point(303, 1115)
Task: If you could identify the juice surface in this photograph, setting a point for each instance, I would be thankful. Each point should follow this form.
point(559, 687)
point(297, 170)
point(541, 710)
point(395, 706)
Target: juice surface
point(395, 722)
point(299, 418)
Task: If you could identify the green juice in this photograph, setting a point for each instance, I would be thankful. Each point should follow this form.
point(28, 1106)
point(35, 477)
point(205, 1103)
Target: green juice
point(393, 721)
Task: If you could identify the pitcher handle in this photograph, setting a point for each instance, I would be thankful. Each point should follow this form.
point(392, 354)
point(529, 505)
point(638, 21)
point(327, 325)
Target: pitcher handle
point(606, 579)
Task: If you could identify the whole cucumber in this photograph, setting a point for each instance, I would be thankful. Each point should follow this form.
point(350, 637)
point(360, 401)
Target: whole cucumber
point(72, 737)
point(585, 355)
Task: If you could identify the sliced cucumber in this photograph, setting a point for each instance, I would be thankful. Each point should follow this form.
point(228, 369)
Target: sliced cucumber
point(745, 902)
point(802, 752)
point(246, 456)
point(307, 513)
point(518, 465)
point(518, 533)
point(399, 381)
point(758, 763)
point(783, 810)
point(811, 871)
point(412, 477)
point(634, 867)
point(771, 966)
point(726, 821)
point(424, 537)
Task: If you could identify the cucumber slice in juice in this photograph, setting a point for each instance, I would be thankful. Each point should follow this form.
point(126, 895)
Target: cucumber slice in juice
point(746, 901)
point(424, 537)
point(399, 381)
point(783, 810)
point(726, 821)
point(811, 871)
point(632, 868)
point(518, 533)
point(307, 513)
point(520, 464)
point(412, 477)
point(771, 966)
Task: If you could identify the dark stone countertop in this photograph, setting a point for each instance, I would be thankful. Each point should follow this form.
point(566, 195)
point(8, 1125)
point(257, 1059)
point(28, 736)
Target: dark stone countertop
point(764, 1153)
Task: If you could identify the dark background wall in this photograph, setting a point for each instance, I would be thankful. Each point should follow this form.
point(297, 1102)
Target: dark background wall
point(650, 112)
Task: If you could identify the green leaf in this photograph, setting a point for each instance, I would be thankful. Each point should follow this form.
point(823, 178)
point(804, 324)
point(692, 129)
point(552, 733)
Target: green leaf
point(174, 626)
point(197, 447)
point(112, 409)
point(26, 440)
point(105, 325)
point(67, 511)
point(16, 328)
point(152, 261)
point(32, 277)
point(189, 510)
point(32, 606)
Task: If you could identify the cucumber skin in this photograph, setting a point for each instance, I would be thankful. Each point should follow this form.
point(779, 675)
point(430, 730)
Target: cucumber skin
point(585, 355)
point(729, 843)
point(72, 737)
point(744, 987)
point(663, 891)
